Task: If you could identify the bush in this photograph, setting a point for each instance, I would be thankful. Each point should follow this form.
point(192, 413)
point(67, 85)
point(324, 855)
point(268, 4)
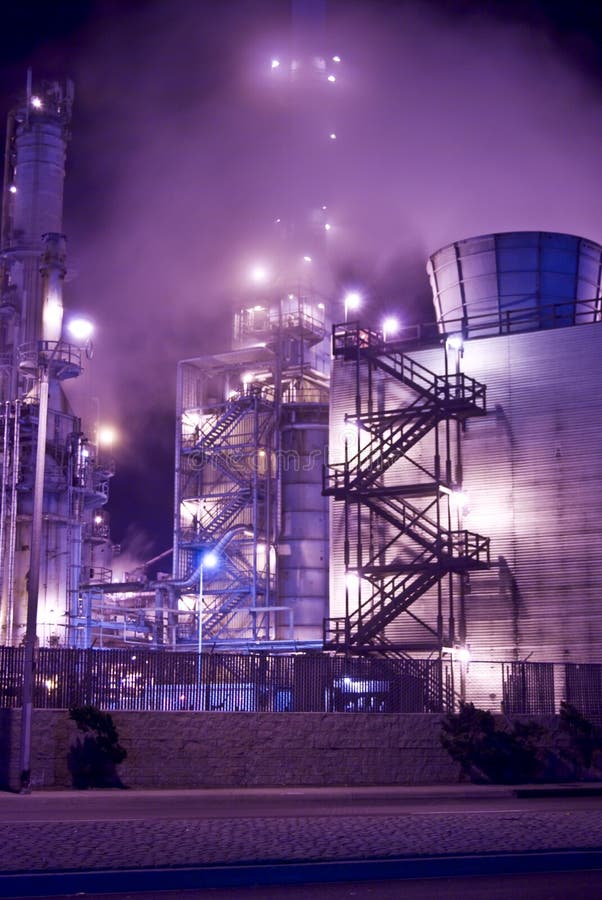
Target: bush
point(93, 760)
point(498, 751)
point(584, 743)
point(490, 754)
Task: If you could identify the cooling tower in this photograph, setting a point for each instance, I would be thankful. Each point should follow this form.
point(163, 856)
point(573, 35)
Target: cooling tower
point(517, 281)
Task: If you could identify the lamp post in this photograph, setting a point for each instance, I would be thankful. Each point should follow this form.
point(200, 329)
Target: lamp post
point(34, 580)
point(390, 327)
point(351, 300)
point(45, 360)
point(209, 560)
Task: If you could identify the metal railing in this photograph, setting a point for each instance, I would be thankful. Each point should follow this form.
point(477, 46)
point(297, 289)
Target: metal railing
point(126, 679)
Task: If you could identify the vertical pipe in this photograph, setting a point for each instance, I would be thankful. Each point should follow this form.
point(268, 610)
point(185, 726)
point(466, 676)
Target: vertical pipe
point(34, 583)
point(12, 532)
point(3, 516)
point(178, 470)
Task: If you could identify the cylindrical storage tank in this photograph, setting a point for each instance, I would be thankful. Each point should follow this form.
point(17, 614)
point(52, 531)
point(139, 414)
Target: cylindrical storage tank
point(517, 281)
point(303, 544)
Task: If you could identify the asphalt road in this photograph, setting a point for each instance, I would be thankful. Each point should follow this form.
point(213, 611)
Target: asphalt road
point(65, 842)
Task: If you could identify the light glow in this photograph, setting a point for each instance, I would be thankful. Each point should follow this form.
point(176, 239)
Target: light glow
point(275, 63)
point(332, 136)
point(259, 273)
point(36, 102)
point(332, 78)
point(336, 59)
point(210, 560)
point(106, 435)
point(352, 300)
point(327, 226)
point(455, 342)
point(307, 259)
point(80, 329)
point(13, 189)
point(390, 326)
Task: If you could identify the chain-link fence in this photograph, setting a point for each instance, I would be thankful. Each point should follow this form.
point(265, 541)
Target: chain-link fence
point(259, 682)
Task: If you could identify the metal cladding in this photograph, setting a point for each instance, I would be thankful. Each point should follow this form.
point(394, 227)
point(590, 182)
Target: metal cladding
point(500, 283)
point(531, 466)
point(524, 473)
point(36, 147)
point(303, 547)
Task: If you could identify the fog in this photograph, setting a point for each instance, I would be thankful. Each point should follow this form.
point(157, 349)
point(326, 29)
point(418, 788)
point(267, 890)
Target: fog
point(188, 146)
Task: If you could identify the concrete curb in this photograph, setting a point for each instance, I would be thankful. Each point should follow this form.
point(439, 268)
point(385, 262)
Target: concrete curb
point(48, 884)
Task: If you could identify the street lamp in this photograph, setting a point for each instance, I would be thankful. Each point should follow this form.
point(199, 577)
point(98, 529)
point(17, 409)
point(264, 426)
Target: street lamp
point(390, 327)
point(49, 358)
point(351, 300)
point(209, 560)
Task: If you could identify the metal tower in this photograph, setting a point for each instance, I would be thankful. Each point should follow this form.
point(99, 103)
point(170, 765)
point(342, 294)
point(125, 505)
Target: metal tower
point(35, 360)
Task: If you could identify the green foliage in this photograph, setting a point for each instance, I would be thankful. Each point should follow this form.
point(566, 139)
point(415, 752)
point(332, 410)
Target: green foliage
point(495, 750)
point(93, 760)
point(489, 753)
point(584, 742)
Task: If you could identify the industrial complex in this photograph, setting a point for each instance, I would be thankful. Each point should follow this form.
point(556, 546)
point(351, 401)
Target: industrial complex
point(417, 494)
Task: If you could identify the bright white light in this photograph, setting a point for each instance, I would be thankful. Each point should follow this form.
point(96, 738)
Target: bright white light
point(324, 207)
point(320, 306)
point(352, 300)
point(463, 654)
point(332, 78)
point(106, 435)
point(327, 226)
point(36, 102)
point(210, 560)
point(390, 326)
point(352, 581)
point(336, 59)
point(80, 329)
point(259, 274)
point(98, 520)
point(13, 189)
point(278, 221)
point(455, 342)
point(275, 63)
point(257, 308)
point(307, 259)
point(332, 136)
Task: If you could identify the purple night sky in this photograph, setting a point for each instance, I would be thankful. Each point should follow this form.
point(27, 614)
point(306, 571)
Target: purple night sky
point(452, 119)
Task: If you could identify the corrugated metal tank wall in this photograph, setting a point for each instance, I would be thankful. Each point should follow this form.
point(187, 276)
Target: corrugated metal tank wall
point(489, 283)
point(533, 473)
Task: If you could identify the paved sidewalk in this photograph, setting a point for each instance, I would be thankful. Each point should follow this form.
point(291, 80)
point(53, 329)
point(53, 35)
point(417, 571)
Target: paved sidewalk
point(68, 830)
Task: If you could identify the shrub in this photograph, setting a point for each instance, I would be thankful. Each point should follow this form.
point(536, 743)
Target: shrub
point(93, 760)
point(489, 753)
point(584, 742)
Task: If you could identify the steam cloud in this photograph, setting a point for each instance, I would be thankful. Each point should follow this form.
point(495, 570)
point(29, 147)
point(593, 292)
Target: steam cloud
point(186, 150)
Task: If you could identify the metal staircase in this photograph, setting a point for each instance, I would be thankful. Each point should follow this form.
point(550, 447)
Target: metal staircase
point(401, 550)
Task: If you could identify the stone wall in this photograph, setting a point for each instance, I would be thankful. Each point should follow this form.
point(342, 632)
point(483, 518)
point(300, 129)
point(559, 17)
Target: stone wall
point(196, 750)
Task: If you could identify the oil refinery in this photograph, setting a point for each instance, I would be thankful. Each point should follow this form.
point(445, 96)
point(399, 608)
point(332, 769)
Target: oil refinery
point(414, 494)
